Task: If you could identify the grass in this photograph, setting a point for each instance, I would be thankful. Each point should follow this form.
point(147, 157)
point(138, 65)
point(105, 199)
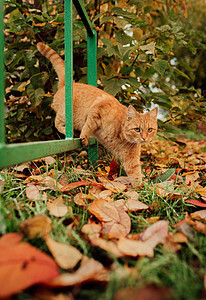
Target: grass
point(181, 272)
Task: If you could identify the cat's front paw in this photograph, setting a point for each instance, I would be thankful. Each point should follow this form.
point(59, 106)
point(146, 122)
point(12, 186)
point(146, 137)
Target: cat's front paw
point(84, 140)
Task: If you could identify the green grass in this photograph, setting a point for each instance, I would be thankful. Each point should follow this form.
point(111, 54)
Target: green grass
point(182, 272)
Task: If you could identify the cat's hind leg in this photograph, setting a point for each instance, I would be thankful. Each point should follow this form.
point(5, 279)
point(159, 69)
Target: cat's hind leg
point(60, 124)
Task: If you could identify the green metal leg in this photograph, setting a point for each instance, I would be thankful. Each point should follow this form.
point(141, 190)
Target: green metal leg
point(92, 80)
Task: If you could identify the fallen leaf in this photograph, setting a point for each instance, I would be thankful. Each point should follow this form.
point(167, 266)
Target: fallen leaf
point(191, 178)
point(11, 239)
point(33, 193)
point(73, 185)
point(109, 246)
point(88, 271)
point(66, 256)
point(200, 214)
point(201, 191)
point(196, 202)
point(49, 160)
point(38, 226)
point(132, 195)
point(106, 195)
point(57, 207)
point(134, 248)
point(143, 293)
point(81, 199)
point(155, 234)
point(115, 187)
point(93, 230)
point(124, 180)
point(51, 183)
point(21, 266)
point(114, 219)
point(113, 170)
point(130, 204)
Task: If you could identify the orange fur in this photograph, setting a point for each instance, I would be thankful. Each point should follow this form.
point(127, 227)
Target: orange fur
point(96, 113)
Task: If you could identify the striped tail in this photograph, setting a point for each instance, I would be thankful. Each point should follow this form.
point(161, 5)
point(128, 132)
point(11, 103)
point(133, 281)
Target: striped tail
point(56, 61)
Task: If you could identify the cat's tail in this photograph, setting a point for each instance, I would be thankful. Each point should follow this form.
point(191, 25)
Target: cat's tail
point(56, 61)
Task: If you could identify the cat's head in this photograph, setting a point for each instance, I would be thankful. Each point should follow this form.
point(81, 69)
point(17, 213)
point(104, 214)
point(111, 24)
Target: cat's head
point(138, 127)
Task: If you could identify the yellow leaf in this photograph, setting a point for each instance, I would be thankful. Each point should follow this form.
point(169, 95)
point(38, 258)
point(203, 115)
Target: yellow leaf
point(66, 256)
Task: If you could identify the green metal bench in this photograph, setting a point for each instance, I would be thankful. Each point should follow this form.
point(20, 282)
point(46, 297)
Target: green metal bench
point(12, 154)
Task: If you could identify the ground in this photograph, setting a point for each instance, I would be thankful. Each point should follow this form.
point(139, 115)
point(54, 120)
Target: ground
point(79, 231)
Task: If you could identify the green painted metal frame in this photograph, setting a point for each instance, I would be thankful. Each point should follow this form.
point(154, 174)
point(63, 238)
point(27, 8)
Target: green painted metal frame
point(12, 154)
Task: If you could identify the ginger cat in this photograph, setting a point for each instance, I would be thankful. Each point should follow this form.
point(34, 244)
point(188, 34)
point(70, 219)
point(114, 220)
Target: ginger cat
point(120, 129)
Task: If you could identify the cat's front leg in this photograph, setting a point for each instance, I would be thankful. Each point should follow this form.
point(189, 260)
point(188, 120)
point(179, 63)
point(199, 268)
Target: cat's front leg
point(132, 165)
point(89, 128)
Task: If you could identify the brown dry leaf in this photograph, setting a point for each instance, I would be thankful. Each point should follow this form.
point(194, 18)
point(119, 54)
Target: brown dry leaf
point(81, 199)
point(106, 195)
point(33, 193)
point(124, 180)
point(108, 246)
point(35, 178)
point(115, 220)
point(57, 207)
point(131, 205)
point(49, 160)
point(149, 292)
point(200, 214)
point(134, 248)
point(155, 234)
point(43, 293)
point(179, 237)
point(93, 230)
point(88, 271)
point(164, 188)
point(201, 191)
point(66, 256)
point(38, 226)
point(132, 195)
point(191, 178)
point(51, 183)
point(199, 226)
point(115, 187)
point(73, 185)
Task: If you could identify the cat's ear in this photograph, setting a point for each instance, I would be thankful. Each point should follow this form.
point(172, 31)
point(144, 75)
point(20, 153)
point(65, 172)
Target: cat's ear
point(153, 113)
point(131, 113)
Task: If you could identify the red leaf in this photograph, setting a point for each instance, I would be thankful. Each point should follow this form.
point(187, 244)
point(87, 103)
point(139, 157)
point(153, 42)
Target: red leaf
point(22, 265)
point(74, 185)
point(114, 169)
point(196, 202)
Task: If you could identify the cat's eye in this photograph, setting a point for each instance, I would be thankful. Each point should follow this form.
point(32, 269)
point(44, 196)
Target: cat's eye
point(137, 129)
point(150, 129)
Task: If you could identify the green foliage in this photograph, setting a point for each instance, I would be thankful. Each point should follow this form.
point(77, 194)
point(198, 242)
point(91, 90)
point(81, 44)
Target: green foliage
point(148, 52)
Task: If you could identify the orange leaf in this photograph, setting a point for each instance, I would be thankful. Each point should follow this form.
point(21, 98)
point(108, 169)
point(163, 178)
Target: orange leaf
point(200, 214)
point(57, 207)
point(115, 220)
point(74, 185)
point(11, 239)
point(134, 248)
point(66, 256)
point(155, 234)
point(131, 205)
point(108, 246)
point(196, 202)
point(22, 266)
point(88, 271)
point(38, 226)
